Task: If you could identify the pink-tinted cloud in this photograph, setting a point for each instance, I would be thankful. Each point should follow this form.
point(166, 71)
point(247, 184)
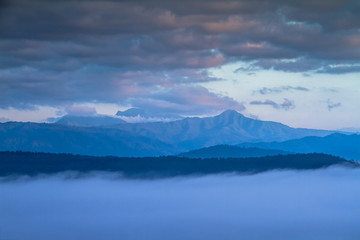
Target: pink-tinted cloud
point(63, 52)
point(186, 100)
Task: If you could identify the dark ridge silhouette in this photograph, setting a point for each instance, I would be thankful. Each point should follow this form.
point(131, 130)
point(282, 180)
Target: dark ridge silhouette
point(229, 151)
point(32, 164)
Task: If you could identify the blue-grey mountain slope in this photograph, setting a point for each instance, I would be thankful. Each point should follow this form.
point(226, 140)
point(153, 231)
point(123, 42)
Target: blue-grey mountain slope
point(229, 128)
point(229, 151)
point(347, 146)
point(89, 121)
point(146, 139)
point(55, 138)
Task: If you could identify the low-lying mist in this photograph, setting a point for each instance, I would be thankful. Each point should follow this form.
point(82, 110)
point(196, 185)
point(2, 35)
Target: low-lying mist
point(320, 204)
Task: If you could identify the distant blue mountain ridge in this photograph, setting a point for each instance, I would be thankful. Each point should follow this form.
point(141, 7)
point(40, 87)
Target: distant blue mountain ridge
point(230, 127)
point(346, 146)
point(151, 138)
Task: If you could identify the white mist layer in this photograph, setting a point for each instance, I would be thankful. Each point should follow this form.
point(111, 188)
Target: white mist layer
point(323, 204)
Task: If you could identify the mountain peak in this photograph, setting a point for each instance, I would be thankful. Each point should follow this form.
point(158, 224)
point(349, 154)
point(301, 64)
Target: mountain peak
point(229, 117)
point(230, 113)
point(131, 112)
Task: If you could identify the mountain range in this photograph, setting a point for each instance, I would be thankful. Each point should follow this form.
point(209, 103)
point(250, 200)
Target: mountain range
point(230, 127)
point(347, 146)
point(154, 138)
point(96, 141)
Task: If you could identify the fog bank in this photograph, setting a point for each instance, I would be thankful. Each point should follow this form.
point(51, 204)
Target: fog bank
point(321, 204)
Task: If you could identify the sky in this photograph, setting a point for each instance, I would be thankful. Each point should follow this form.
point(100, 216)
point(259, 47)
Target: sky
point(292, 61)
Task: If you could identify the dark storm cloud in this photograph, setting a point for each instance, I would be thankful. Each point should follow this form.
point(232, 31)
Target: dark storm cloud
point(135, 31)
point(52, 52)
point(286, 105)
point(155, 91)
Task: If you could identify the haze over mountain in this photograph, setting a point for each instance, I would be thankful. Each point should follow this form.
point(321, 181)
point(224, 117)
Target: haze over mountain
point(143, 115)
point(347, 146)
point(350, 130)
point(89, 121)
point(147, 139)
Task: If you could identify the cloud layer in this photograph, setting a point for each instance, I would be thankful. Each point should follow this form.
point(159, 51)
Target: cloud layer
point(60, 52)
point(318, 205)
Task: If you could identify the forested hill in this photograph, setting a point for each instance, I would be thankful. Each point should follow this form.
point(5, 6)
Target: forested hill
point(346, 146)
point(26, 163)
point(229, 151)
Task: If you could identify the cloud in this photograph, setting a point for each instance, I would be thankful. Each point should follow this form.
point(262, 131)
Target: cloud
point(185, 100)
point(4, 119)
point(331, 105)
point(265, 90)
point(80, 110)
point(158, 92)
point(290, 65)
point(274, 205)
point(166, 34)
point(340, 68)
point(63, 52)
point(25, 87)
point(147, 115)
point(286, 105)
